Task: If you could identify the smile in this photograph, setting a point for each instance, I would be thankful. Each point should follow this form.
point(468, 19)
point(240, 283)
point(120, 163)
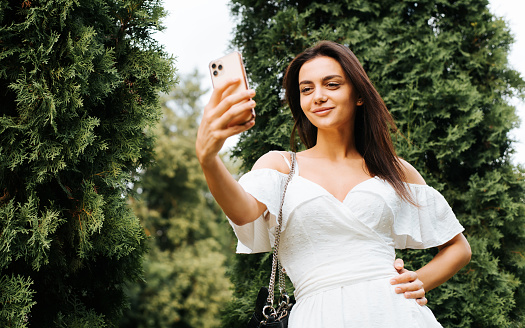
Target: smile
point(322, 111)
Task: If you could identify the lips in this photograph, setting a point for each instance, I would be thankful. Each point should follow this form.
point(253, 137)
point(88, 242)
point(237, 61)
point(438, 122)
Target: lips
point(322, 110)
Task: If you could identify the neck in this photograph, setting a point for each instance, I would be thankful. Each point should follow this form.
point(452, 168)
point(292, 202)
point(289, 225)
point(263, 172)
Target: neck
point(336, 144)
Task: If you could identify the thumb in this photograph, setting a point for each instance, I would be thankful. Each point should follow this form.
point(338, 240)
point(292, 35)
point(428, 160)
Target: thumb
point(399, 264)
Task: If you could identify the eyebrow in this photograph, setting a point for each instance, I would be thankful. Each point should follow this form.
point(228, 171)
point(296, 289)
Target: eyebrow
point(328, 77)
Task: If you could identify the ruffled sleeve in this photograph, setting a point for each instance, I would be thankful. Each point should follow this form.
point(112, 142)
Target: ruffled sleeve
point(266, 185)
point(431, 224)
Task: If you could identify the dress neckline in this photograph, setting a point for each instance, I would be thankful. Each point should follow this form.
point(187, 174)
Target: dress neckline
point(332, 195)
point(327, 193)
point(326, 190)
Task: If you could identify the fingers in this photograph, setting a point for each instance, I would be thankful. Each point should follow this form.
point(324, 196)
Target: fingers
point(218, 91)
point(409, 287)
point(243, 118)
point(408, 283)
point(237, 114)
point(420, 293)
point(238, 104)
point(210, 141)
point(228, 112)
point(399, 264)
point(226, 96)
point(422, 301)
point(404, 277)
point(237, 128)
point(413, 290)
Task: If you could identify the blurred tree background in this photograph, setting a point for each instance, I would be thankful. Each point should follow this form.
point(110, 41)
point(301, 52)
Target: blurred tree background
point(79, 88)
point(190, 240)
point(441, 67)
point(79, 85)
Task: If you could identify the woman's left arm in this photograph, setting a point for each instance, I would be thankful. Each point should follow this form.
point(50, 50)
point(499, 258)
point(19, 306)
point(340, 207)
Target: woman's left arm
point(452, 256)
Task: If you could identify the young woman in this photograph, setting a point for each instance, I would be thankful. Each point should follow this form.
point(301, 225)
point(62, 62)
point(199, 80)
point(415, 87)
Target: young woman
point(351, 202)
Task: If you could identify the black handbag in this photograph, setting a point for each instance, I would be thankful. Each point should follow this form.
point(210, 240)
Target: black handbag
point(277, 319)
point(267, 315)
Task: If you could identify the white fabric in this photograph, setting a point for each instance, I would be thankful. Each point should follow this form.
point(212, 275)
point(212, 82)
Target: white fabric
point(340, 255)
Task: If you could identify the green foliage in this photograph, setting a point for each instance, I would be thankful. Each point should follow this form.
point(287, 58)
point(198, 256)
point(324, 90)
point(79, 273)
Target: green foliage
point(185, 270)
point(441, 67)
point(16, 299)
point(79, 85)
point(248, 274)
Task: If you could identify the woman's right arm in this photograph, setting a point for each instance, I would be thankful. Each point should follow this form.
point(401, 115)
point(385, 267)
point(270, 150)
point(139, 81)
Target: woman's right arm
point(213, 131)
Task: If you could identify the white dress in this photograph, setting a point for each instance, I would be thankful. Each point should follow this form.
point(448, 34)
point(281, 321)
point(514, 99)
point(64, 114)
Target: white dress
point(340, 255)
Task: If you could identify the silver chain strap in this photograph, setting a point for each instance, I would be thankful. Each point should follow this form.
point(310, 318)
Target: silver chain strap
point(276, 265)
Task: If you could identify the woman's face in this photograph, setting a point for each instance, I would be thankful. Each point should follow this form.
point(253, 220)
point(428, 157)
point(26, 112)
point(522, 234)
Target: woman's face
point(328, 98)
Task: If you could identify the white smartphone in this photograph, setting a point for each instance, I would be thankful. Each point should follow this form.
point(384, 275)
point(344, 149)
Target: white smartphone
point(226, 68)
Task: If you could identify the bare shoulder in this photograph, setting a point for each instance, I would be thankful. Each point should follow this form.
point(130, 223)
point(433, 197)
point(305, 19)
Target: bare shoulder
point(273, 160)
point(411, 174)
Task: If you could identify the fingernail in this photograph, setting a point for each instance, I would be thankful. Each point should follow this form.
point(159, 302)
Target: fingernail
point(398, 290)
point(393, 281)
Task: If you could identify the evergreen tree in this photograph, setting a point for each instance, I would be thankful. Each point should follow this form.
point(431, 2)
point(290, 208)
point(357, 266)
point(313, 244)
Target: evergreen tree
point(79, 83)
point(185, 279)
point(441, 67)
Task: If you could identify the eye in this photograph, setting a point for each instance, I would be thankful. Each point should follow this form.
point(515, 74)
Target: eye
point(306, 89)
point(333, 85)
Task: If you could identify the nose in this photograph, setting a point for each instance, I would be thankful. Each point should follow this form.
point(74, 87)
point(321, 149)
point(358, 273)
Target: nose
point(320, 97)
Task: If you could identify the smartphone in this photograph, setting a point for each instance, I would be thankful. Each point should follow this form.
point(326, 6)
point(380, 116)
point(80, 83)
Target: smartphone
point(226, 68)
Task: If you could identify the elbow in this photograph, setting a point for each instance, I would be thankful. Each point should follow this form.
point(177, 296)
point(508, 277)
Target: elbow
point(463, 251)
point(459, 248)
point(467, 253)
point(237, 220)
point(239, 223)
point(245, 215)
point(240, 219)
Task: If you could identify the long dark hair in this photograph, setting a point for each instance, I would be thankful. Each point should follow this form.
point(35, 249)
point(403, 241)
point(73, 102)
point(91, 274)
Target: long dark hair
point(373, 122)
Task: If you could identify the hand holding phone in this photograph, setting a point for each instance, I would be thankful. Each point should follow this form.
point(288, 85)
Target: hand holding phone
point(226, 68)
point(229, 111)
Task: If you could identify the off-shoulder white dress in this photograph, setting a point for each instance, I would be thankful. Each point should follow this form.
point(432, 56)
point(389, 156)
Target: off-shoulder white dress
point(339, 255)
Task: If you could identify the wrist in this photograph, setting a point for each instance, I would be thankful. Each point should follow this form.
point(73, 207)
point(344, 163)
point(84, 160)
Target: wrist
point(208, 162)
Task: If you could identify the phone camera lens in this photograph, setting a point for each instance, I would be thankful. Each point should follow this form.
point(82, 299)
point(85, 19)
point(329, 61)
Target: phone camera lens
point(215, 73)
point(213, 65)
point(220, 67)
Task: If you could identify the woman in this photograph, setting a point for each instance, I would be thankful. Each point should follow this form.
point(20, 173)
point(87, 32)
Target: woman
point(350, 203)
